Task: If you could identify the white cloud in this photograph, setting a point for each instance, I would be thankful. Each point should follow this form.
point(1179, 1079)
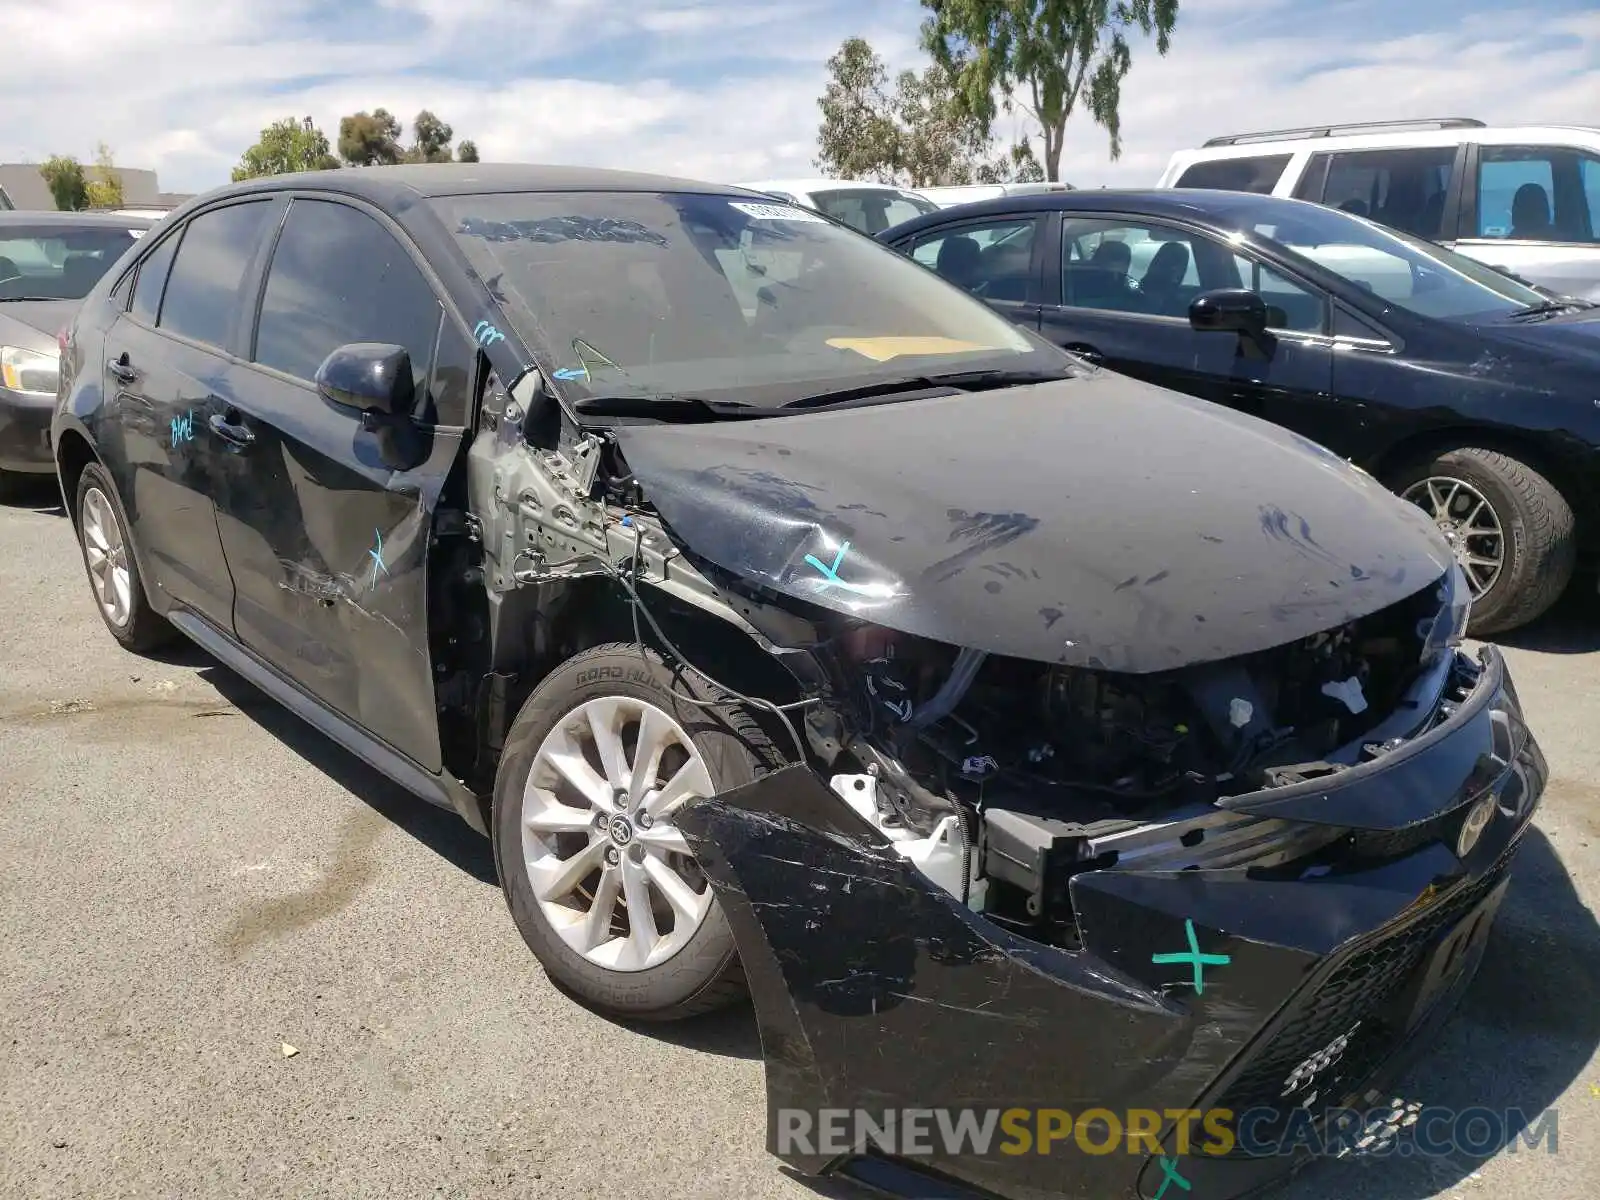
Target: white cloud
point(707, 88)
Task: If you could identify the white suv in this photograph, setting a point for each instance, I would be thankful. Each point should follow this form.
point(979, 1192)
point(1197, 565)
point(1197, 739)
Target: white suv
point(1525, 199)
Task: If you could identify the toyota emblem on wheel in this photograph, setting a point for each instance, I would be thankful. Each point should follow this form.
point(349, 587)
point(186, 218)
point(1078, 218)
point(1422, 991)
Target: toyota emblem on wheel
point(621, 830)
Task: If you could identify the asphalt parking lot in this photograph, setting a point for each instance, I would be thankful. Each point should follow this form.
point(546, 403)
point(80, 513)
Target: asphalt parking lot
point(191, 882)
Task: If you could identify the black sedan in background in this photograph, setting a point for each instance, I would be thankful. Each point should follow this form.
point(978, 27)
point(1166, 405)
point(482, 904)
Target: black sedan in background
point(1465, 391)
point(48, 263)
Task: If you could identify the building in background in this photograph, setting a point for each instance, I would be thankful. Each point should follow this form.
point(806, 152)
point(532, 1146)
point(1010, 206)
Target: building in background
point(27, 191)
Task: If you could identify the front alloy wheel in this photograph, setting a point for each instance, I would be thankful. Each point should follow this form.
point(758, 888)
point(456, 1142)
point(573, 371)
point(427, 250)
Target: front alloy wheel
point(1469, 524)
point(600, 881)
point(1508, 525)
point(612, 875)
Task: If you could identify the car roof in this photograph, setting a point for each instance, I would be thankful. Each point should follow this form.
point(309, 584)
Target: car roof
point(386, 185)
point(824, 185)
point(13, 218)
point(1178, 203)
point(1254, 145)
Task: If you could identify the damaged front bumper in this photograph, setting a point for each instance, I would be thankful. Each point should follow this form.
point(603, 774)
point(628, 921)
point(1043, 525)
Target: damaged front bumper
point(877, 991)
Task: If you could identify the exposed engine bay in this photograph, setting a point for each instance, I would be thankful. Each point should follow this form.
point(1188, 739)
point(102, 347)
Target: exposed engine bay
point(1000, 777)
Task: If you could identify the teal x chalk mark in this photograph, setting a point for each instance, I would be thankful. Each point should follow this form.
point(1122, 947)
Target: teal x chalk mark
point(1193, 956)
point(830, 575)
point(1169, 1170)
point(376, 555)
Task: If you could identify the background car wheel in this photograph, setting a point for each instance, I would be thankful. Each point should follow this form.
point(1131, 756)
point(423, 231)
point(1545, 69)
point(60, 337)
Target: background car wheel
point(1512, 531)
point(113, 572)
point(599, 881)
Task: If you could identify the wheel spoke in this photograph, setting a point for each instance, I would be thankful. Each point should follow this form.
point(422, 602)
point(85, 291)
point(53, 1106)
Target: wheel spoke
point(689, 780)
point(642, 934)
point(596, 928)
point(567, 761)
point(554, 879)
point(688, 905)
point(556, 817)
point(664, 839)
point(124, 592)
point(604, 717)
point(655, 734)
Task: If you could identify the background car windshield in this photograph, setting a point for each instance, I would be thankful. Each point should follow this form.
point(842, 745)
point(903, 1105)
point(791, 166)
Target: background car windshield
point(871, 210)
point(639, 293)
point(57, 262)
point(1409, 273)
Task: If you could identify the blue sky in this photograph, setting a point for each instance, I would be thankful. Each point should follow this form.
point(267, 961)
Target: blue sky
point(726, 89)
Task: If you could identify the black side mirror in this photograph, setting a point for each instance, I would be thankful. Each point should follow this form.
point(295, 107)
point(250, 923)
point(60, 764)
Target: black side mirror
point(374, 379)
point(1229, 310)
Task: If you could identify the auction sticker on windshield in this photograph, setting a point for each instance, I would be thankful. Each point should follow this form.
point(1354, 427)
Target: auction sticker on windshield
point(775, 212)
point(882, 349)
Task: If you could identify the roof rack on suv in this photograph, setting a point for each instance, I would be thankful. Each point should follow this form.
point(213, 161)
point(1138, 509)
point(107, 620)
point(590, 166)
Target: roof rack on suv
point(1312, 131)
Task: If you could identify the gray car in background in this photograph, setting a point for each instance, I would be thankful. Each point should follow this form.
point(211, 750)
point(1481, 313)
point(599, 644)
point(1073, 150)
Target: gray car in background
point(48, 263)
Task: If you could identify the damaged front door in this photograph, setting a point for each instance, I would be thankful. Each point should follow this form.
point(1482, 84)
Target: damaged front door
point(328, 544)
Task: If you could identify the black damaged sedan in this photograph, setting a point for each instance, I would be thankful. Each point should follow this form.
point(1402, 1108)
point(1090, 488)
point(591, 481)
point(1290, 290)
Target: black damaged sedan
point(1019, 736)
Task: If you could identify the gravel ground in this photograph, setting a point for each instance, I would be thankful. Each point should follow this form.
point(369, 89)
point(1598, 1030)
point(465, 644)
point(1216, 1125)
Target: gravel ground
point(192, 881)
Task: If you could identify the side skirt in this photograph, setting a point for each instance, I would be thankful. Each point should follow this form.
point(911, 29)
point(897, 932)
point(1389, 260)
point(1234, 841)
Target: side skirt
point(441, 790)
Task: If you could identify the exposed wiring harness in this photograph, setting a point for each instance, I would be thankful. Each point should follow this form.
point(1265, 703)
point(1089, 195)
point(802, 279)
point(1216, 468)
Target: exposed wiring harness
point(638, 607)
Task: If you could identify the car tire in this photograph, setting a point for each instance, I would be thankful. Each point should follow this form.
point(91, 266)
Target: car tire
point(1537, 549)
point(569, 882)
point(110, 562)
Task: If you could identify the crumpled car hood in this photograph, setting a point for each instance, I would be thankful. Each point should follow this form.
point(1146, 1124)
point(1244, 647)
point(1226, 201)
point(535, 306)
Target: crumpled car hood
point(1095, 522)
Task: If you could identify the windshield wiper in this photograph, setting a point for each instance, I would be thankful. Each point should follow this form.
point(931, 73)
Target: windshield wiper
point(4, 299)
point(1547, 308)
point(665, 408)
point(966, 381)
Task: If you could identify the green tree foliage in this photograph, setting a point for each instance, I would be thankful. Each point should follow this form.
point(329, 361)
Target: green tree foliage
point(104, 184)
point(370, 139)
point(285, 146)
point(431, 139)
point(858, 138)
point(63, 175)
point(1045, 56)
point(374, 139)
point(920, 135)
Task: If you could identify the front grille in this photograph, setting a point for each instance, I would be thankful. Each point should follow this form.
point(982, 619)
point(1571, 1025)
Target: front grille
point(1383, 844)
point(1359, 995)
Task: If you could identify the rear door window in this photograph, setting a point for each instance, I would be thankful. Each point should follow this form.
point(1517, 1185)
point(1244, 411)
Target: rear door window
point(1258, 174)
point(204, 298)
point(152, 279)
point(1404, 189)
point(1537, 194)
point(993, 261)
point(1156, 270)
point(338, 276)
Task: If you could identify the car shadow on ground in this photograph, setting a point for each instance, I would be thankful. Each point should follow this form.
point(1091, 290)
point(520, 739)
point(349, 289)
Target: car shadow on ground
point(41, 494)
point(442, 831)
point(728, 1032)
point(1572, 626)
